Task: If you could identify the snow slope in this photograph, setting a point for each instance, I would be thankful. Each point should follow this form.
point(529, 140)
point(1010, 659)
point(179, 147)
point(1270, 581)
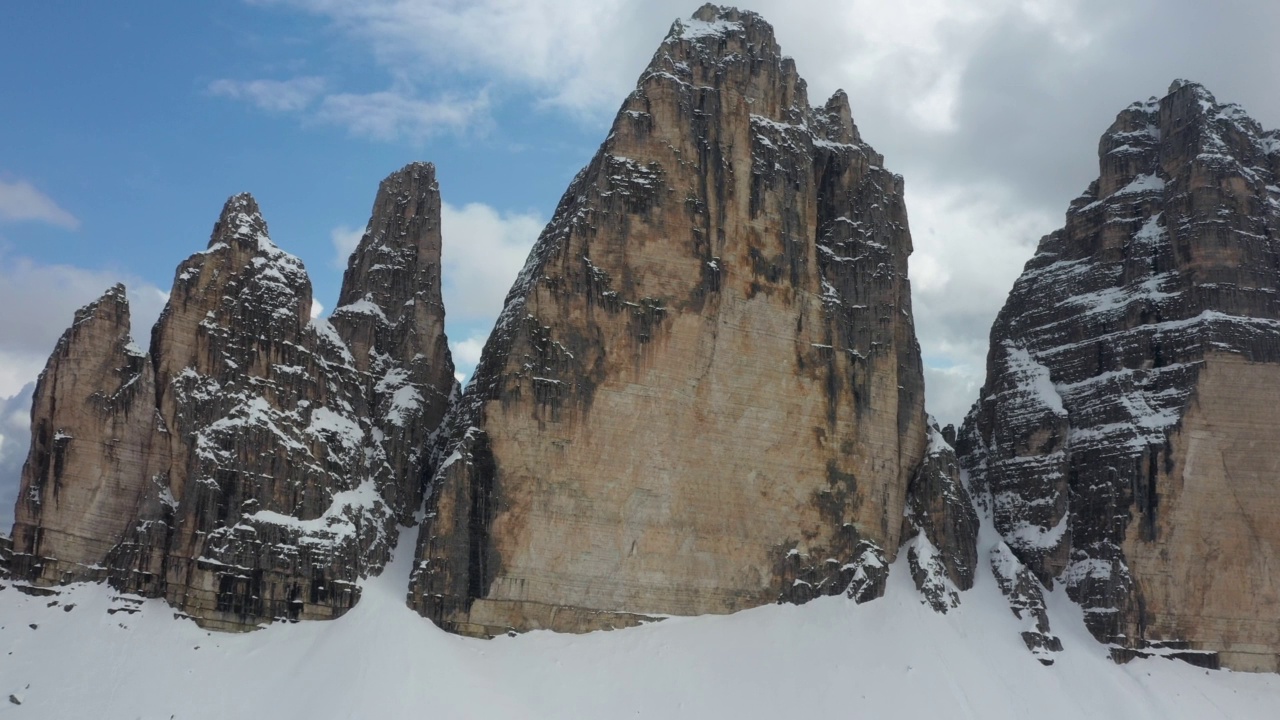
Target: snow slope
point(891, 658)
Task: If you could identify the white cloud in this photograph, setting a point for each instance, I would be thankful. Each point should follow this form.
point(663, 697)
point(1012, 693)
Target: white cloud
point(275, 96)
point(483, 252)
point(344, 239)
point(396, 115)
point(389, 115)
point(49, 295)
point(989, 108)
point(20, 201)
point(316, 309)
point(466, 354)
point(15, 434)
point(970, 245)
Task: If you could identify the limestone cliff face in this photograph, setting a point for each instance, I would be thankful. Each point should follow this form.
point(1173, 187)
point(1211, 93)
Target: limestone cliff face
point(704, 392)
point(391, 315)
point(263, 412)
point(273, 463)
point(1130, 397)
point(90, 463)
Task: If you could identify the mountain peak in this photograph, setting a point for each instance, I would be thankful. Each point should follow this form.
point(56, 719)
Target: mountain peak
point(240, 220)
point(1134, 336)
point(738, 32)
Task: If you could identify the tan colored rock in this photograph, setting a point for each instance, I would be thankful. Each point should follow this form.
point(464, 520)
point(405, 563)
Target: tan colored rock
point(90, 463)
point(1208, 570)
point(705, 392)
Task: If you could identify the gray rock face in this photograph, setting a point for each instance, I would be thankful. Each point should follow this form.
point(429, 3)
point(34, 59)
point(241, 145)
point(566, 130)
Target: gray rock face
point(1026, 599)
point(940, 527)
point(391, 315)
point(704, 392)
point(1131, 381)
point(271, 448)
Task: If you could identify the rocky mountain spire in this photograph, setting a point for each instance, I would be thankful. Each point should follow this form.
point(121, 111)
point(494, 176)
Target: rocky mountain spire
point(91, 459)
point(256, 463)
point(390, 313)
point(1133, 379)
point(704, 392)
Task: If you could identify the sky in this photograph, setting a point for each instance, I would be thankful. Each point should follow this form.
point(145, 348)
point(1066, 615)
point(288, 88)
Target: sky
point(124, 127)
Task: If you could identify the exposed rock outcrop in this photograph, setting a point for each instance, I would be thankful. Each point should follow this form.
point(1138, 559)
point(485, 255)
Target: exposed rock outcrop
point(90, 463)
point(704, 392)
point(1026, 599)
point(1133, 388)
point(940, 527)
point(391, 315)
point(263, 457)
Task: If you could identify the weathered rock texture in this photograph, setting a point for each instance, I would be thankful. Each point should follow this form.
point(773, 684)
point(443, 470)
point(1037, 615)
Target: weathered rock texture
point(253, 464)
point(1126, 427)
point(88, 466)
point(1026, 599)
point(391, 315)
point(940, 527)
point(704, 392)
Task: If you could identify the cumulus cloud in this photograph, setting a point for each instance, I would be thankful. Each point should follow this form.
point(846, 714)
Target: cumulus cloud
point(970, 245)
point(483, 252)
point(20, 201)
point(344, 239)
point(466, 354)
point(275, 96)
point(14, 438)
point(15, 434)
point(49, 295)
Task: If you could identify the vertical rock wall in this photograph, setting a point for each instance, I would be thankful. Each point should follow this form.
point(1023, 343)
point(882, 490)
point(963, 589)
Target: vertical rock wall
point(93, 456)
point(1123, 453)
point(704, 392)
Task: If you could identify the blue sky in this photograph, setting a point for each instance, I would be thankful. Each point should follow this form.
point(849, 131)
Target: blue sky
point(138, 120)
point(125, 125)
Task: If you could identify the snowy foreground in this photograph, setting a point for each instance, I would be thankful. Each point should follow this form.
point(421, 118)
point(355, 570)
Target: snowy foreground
point(891, 658)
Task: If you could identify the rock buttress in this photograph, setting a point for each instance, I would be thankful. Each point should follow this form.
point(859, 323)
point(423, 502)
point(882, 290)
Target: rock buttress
point(94, 450)
point(1133, 386)
point(704, 392)
point(272, 514)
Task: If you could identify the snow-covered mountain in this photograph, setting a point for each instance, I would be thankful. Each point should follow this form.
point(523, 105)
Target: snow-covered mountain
point(704, 398)
point(1127, 427)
